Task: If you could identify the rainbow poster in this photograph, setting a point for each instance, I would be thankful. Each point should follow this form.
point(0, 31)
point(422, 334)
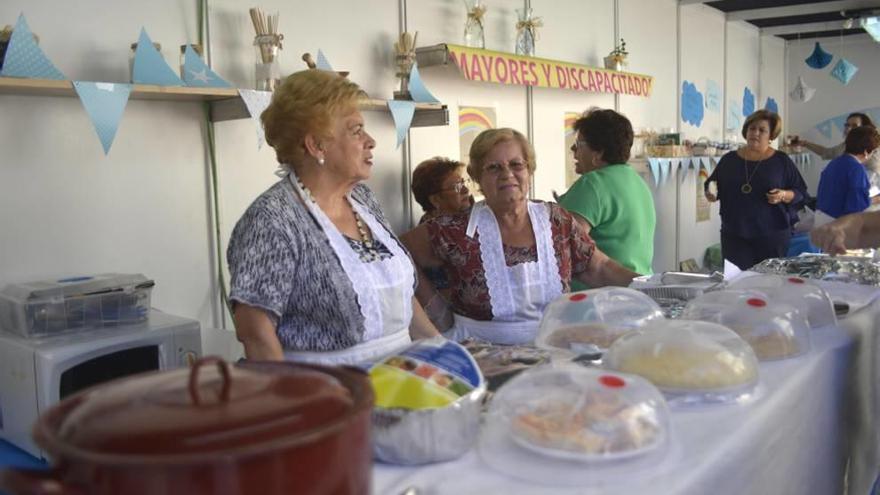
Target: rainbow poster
point(471, 122)
point(570, 137)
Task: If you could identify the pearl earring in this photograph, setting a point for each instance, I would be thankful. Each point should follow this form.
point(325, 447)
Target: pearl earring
point(320, 161)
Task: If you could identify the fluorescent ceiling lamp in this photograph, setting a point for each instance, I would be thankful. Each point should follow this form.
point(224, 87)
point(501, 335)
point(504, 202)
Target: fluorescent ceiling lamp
point(872, 26)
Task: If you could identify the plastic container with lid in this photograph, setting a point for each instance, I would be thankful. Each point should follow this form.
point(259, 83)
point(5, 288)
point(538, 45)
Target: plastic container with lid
point(799, 292)
point(692, 362)
point(589, 321)
point(774, 329)
point(585, 423)
point(49, 307)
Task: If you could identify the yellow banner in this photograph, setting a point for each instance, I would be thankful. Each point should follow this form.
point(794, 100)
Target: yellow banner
point(505, 68)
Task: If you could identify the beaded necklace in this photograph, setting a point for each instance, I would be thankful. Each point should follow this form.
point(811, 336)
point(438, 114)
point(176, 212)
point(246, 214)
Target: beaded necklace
point(372, 253)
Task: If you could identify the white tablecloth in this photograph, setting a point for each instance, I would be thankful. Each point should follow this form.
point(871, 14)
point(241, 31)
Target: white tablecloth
point(790, 439)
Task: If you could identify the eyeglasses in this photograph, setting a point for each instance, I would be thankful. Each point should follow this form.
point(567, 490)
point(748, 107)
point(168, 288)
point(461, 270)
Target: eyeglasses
point(513, 166)
point(458, 187)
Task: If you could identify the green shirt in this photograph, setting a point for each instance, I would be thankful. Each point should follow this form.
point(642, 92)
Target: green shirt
point(620, 209)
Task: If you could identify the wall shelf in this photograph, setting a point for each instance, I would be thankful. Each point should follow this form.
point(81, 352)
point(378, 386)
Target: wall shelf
point(225, 102)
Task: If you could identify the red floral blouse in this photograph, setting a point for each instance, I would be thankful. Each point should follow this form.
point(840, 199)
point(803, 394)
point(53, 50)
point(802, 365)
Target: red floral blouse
point(461, 257)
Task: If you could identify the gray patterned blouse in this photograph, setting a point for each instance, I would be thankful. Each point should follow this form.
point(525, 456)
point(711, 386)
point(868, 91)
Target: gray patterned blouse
point(281, 261)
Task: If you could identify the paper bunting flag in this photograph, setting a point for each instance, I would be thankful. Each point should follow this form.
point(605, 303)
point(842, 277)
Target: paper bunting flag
point(819, 59)
point(771, 105)
point(105, 103)
point(402, 112)
point(24, 58)
point(824, 128)
point(322, 63)
point(844, 71)
point(748, 107)
point(839, 122)
point(655, 170)
point(150, 67)
point(734, 116)
point(664, 170)
point(801, 92)
point(417, 87)
point(197, 73)
point(256, 102)
point(684, 165)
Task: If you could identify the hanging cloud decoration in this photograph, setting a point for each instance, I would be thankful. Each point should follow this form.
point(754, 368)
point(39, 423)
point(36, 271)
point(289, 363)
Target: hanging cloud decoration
point(801, 92)
point(819, 59)
point(844, 71)
point(691, 104)
point(748, 102)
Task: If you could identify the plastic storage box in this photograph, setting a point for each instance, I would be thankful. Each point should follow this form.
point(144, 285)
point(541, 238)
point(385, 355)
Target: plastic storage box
point(45, 308)
point(589, 321)
point(692, 362)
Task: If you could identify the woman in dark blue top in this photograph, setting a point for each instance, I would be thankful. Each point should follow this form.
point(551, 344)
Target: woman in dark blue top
point(757, 186)
point(843, 186)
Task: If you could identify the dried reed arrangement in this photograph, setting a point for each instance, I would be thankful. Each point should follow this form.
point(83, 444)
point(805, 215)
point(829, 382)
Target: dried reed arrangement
point(404, 57)
point(267, 36)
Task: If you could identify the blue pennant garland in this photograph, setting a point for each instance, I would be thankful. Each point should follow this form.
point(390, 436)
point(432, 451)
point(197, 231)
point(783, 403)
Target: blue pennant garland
point(105, 103)
point(322, 63)
point(150, 67)
point(819, 59)
point(197, 73)
point(24, 58)
point(655, 170)
point(417, 87)
point(402, 112)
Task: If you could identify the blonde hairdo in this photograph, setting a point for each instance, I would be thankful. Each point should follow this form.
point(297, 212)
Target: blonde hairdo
point(306, 103)
point(774, 121)
point(487, 140)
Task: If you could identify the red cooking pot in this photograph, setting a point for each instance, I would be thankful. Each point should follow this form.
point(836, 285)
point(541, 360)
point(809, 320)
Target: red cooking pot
point(253, 428)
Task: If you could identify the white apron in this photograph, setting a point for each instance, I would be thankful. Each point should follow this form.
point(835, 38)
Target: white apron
point(384, 291)
point(517, 294)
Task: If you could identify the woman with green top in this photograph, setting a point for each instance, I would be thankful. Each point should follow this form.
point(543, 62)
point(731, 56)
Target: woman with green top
point(610, 199)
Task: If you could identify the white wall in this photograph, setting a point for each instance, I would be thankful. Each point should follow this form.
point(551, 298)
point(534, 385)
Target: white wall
point(832, 98)
point(67, 209)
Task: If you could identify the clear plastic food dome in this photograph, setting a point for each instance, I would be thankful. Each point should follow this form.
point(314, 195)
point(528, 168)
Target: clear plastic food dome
point(801, 293)
point(589, 321)
point(774, 329)
point(575, 413)
point(693, 362)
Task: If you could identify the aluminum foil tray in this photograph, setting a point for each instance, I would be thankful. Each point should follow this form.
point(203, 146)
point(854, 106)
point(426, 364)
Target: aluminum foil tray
point(824, 268)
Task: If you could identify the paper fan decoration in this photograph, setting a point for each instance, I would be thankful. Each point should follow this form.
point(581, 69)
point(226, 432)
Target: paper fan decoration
point(801, 92)
point(844, 71)
point(820, 58)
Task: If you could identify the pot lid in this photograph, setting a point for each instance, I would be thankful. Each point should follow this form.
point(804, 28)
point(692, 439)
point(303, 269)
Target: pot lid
point(213, 407)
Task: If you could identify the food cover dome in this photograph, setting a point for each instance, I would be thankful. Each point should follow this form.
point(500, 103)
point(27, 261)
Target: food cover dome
point(801, 293)
point(589, 321)
point(693, 362)
point(575, 413)
point(774, 329)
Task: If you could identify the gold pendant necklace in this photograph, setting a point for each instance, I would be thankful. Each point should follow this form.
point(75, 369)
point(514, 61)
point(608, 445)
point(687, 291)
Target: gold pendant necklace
point(747, 186)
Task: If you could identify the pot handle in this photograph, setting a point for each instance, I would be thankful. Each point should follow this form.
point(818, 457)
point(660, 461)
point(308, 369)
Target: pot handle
point(36, 482)
point(194, 378)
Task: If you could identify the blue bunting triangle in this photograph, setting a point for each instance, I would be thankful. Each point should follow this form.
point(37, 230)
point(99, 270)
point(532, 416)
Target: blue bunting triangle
point(24, 58)
point(402, 112)
point(824, 128)
point(150, 67)
point(655, 170)
point(664, 170)
point(322, 63)
point(417, 88)
point(105, 103)
point(197, 73)
point(844, 71)
point(819, 59)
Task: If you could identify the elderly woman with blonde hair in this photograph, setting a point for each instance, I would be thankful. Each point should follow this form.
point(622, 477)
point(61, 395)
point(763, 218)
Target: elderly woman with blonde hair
point(757, 186)
point(317, 273)
point(508, 256)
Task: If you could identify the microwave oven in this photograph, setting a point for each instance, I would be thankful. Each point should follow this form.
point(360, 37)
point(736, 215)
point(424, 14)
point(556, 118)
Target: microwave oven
point(37, 373)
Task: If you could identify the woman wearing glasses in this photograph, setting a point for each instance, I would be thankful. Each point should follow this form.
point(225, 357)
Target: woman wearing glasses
point(508, 256)
point(757, 186)
point(610, 199)
point(439, 187)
